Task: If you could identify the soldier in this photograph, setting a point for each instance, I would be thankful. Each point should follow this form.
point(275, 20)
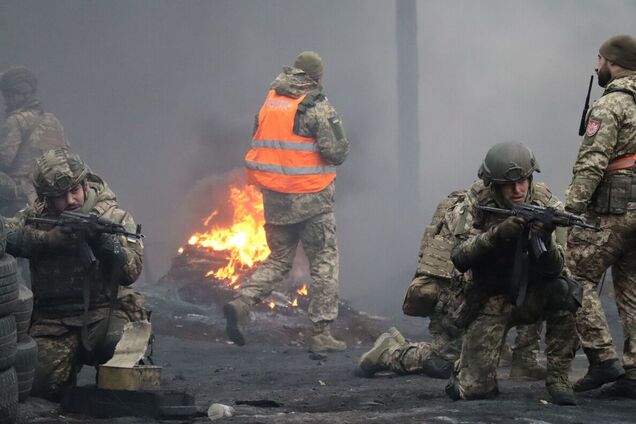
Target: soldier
point(298, 142)
point(28, 132)
point(604, 190)
point(490, 249)
point(436, 292)
point(79, 309)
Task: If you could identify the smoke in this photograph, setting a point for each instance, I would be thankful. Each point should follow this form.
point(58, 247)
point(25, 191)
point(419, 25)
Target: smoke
point(159, 98)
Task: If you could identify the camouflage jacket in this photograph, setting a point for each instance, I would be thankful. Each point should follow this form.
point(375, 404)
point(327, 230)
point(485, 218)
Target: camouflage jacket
point(610, 133)
point(27, 133)
point(57, 278)
point(311, 121)
point(490, 262)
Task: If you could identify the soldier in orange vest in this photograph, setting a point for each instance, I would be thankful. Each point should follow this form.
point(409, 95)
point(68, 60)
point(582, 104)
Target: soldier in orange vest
point(298, 142)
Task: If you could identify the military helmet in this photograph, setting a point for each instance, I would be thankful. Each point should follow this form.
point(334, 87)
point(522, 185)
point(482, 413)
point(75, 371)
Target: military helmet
point(311, 63)
point(20, 79)
point(57, 172)
point(507, 162)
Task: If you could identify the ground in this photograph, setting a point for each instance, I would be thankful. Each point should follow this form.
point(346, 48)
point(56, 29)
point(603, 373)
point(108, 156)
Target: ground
point(304, 390)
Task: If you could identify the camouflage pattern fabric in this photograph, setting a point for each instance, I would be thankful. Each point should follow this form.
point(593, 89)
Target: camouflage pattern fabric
point(27, 133)
point(589, 255)
point(60, 355)
point(475, 372)
point(611, 134)
point(57, 281)
point(311, 121)
point(318, 237)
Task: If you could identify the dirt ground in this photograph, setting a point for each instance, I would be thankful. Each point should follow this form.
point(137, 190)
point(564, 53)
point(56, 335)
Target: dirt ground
point(291, 387)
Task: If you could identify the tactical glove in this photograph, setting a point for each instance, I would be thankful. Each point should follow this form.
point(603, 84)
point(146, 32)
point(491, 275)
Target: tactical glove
point(29, 242)
point(543, 230)
point(510, 229)
point(108, 249)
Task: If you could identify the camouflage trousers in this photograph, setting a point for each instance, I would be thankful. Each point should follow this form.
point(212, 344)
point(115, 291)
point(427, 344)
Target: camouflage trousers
point(318, 238)
point(476, 371)
point(589, 255)
point(60, 350)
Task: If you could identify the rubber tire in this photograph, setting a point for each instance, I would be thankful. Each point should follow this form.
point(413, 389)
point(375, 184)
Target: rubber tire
point(8, 342)
point(23, 310)
point(8, 265)
point(8, 396)
point(25, 361)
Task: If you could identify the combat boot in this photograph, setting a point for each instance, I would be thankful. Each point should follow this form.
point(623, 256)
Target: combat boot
point(599, 374)
point(560, 391)
point(623, 387)
point(323, 341)
point(527, 366)
point(377, 359)
point(236, 313)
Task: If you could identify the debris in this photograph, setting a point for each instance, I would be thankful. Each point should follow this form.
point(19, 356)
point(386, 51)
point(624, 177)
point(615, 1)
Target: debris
point(218, 410)
point(317, 356)
point(322, 383)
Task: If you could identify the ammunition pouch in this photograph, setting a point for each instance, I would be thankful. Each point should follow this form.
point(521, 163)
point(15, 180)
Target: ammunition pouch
point(613, 194)
point(563, 294)
point(421, 297)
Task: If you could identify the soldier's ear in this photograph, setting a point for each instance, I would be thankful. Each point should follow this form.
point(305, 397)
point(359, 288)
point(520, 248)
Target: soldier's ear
point(87, 186)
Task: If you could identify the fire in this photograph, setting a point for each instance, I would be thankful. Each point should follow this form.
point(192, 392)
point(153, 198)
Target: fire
point(295, 303)
point(243, 240)
point(303, 290)
point(272, 305)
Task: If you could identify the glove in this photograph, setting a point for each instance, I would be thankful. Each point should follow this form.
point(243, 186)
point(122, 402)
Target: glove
point(543, 230)
point(108, 248)
point(510, 229)
point(59, 240)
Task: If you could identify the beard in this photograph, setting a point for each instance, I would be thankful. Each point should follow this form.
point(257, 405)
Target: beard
point(604, 76)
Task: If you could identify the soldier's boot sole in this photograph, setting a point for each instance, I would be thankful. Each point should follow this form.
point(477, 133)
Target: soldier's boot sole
point(599, 374)
point(232, 326)
point(370, 362)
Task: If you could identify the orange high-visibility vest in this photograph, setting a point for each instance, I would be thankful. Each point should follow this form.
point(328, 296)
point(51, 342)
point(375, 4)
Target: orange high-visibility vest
point(280, 160)
point(623, 162)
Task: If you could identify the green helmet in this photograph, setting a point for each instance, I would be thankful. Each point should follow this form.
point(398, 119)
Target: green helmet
point(311, 63)
point(57, 171)
point(507, 162)
point(20, 79)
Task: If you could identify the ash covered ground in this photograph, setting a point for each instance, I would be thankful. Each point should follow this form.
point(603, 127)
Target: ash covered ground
point(294, 388)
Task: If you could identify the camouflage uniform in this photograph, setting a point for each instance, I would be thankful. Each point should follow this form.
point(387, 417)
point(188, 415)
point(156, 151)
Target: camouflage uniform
point(607, 198)
point(436, 291)
point(58, 279)
point(489, 264)
point(28, 132)
point(308, 218)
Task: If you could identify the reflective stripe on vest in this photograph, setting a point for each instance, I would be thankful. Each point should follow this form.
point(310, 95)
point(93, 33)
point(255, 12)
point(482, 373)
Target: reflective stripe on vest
point(280, 160)
point(624, 162)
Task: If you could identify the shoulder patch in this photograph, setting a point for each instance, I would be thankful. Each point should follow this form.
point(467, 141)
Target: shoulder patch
point(592, 127)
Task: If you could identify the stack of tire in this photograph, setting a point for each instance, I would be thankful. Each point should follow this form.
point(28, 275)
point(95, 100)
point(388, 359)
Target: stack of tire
point(18, 351)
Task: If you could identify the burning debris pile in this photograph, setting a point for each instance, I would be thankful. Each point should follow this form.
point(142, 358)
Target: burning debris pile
point(209, 269)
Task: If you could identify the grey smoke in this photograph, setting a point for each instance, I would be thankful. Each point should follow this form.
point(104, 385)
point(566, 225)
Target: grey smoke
point(159, 95)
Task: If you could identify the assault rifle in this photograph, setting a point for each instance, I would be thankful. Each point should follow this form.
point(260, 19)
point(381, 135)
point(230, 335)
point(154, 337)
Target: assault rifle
point(86, 225)
point(586, 107)
point(530, 213)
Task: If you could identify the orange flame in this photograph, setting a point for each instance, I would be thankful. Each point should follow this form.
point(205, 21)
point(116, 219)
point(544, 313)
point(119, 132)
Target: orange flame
point(272, 305)
point(243, 240)
point(295, 303)
point(303, 290)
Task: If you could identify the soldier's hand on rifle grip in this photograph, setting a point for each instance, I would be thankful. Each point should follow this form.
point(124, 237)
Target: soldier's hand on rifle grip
point(109, 248)
point(60, 240)
point(510, 229)
point(543, 230)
